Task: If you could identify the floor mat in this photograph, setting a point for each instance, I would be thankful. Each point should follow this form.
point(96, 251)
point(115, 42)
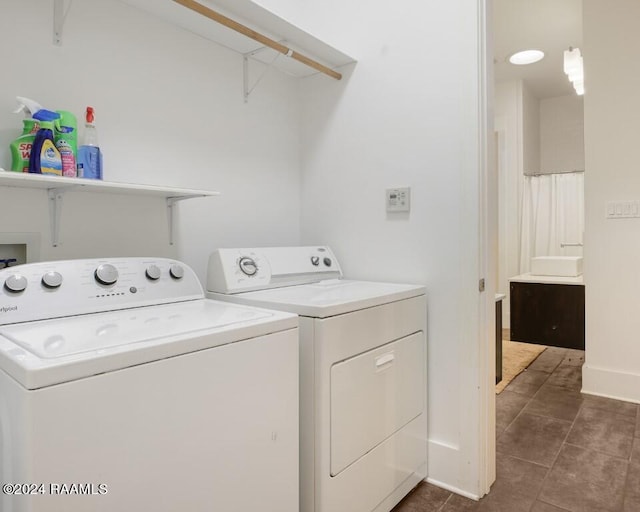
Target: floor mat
point(515, 358)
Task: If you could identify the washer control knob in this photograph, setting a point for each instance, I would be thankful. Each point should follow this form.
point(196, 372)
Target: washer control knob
point(327, 262)
point(16, 283)
point(248, 266)
point(106, 274)
point(176, 271)
point(315, 260)
point(52, 279)
point(153, 272)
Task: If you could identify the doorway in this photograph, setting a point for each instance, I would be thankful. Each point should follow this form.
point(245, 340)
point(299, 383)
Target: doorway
point(539, 120)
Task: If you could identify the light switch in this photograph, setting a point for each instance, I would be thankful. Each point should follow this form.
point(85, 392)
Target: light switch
point(622, 209)
point(399, 199)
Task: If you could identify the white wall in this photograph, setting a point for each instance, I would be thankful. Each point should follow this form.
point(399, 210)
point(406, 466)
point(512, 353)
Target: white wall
point(612, 132)
point(405, 115)
point(530, 131)
point(169, 111)
point(509, 113)
point(562, 134)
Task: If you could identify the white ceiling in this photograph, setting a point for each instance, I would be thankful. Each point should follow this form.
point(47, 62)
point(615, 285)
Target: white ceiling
point(548, 25)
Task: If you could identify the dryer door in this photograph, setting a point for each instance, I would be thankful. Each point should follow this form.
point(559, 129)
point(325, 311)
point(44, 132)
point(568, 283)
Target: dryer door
point(373, 395)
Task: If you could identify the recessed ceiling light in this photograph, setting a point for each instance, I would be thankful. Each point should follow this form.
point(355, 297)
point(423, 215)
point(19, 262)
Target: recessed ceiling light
point(526, 57)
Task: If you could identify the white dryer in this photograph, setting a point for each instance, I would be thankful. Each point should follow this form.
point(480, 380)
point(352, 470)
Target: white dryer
point(123, 388)
point(363, 384)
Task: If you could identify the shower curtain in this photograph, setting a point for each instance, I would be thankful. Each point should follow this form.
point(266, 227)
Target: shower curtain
point(552, 213)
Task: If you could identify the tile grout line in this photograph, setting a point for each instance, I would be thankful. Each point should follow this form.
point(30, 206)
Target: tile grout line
point(525, 405)
point(518, 415)
point(626, 484)
point(534, 395)
point(549, 374)
point(441, 508)
point(628, 459)
point(527, 461)
point(546, 503)
point(557, 455)
point(548, 417)
point(629, 463)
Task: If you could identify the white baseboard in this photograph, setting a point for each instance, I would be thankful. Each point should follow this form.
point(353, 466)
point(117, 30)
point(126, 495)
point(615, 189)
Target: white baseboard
point(454, 490)
point(445, 469)
point(611, 384)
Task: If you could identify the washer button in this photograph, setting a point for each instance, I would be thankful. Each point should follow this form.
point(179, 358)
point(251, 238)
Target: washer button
point(106, 274)
point(315, 260)
point(52, 279)
point(16, 283)
point(153, 272)
point(176, 271)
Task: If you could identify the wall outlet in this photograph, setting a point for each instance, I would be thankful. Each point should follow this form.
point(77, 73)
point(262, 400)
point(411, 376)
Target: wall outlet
point(399, 199)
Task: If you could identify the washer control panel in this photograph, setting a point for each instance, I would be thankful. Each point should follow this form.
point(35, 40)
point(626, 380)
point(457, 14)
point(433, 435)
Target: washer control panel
point(242, 270)
point(39, 291)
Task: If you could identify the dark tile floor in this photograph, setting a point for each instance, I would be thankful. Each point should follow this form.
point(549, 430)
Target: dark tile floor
point(557, 449)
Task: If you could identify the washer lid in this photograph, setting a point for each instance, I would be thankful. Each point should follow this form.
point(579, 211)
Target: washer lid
point(48, 352)
point(328, 298)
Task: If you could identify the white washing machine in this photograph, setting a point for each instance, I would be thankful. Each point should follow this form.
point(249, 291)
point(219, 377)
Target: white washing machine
point(122, 388)
point(363, 385)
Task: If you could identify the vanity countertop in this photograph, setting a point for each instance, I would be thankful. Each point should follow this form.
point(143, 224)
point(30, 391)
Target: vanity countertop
point(530, 278)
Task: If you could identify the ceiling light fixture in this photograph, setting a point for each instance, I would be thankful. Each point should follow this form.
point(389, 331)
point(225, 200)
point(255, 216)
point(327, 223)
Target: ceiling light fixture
point(526, 57)
point(574, 69)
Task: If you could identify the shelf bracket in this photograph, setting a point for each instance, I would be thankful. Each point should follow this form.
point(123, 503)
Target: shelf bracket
point(245, 78)
point(59, 17)
point(171, 201)
point(247, 89)
point(55, 209)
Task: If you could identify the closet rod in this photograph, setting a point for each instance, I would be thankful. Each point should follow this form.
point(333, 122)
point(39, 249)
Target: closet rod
point(256, 36)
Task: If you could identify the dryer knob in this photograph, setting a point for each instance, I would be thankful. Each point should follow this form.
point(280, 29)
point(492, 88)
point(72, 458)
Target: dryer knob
point(16, 283)
point(106, 274)
point(176, 271)
point(52, 279)
point(327, 262)
point(315, 260)
point(153, 272)
point(248, 266)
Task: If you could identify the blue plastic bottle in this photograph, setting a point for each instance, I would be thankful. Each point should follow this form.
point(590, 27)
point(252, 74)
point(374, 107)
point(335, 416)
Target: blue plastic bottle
point(45, 158)
point(89, 155)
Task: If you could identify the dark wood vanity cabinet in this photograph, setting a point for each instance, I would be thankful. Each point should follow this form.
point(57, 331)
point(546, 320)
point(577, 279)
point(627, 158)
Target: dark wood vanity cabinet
point(548, 314)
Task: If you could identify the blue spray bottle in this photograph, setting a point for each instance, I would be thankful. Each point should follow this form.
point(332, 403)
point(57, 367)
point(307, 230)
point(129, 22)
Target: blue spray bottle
point(89, 155)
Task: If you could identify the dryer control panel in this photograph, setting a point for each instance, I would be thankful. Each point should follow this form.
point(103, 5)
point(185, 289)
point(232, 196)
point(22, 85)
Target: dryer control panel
point(243, 270)
point(40, 291)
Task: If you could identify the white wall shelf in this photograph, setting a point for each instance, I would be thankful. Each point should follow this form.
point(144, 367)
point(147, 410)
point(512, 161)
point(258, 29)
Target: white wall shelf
point(56, 187)
point(302, 47)
point(255, 17)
